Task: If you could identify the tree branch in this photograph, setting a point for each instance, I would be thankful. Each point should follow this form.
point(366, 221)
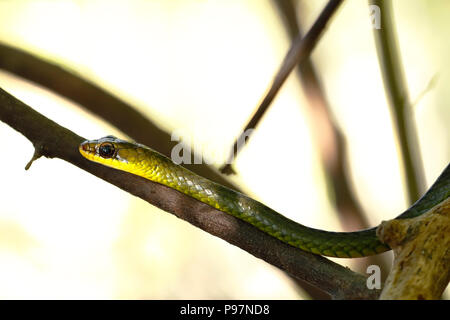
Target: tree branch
point(51, 140)
point(397, 95)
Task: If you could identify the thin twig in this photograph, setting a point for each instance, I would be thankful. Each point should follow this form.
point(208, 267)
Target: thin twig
point(57, 141)
point(300, 49)
point(397, 95)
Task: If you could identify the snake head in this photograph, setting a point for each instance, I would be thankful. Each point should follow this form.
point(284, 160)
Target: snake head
point(108, 150)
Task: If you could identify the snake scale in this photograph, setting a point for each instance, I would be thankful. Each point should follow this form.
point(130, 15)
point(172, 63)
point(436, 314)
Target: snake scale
point(145, 162)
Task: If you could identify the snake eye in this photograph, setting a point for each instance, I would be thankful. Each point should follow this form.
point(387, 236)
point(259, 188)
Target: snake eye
point(106, 150)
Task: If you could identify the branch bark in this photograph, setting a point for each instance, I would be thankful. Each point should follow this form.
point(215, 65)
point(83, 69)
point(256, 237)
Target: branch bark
point(52, 140)
point(422, 255)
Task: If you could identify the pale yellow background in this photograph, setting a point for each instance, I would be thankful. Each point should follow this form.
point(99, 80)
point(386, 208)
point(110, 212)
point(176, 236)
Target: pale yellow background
point(201, 67)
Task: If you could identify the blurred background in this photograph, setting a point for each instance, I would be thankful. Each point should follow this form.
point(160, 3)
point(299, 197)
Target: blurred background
point(200, 68)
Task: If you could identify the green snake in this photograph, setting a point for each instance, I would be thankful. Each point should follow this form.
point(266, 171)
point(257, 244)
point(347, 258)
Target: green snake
point(145, 162)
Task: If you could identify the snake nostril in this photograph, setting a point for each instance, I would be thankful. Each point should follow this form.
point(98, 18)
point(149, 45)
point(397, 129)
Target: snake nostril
point(85, 147)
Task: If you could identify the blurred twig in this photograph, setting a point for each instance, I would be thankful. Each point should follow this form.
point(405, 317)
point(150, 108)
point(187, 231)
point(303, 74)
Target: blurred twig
point(430, 85)
point(300, 49)
point(330, 141)
point(397, 95)
point(52, 140)
point(98, 101)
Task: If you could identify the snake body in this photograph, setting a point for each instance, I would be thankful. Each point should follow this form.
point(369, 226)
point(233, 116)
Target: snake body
point(145, 162)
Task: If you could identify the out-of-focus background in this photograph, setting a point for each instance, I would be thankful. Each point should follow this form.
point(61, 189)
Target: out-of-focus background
point(200, 68)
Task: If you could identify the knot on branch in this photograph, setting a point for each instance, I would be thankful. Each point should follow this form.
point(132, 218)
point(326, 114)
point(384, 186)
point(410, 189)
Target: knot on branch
point(39, 151)
point(422, 254)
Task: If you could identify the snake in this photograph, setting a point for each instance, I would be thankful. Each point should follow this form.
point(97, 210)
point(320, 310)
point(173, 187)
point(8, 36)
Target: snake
point(145, 162)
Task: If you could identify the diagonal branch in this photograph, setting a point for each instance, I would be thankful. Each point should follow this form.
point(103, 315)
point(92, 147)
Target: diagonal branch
point(301, 48)
point(51, 140)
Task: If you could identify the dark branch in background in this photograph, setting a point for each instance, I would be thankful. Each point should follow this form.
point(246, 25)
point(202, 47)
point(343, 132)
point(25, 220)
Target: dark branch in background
point(397, 95)
point(53, 141)
point(330, 140)
point(98, 101)
point(301, 48)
